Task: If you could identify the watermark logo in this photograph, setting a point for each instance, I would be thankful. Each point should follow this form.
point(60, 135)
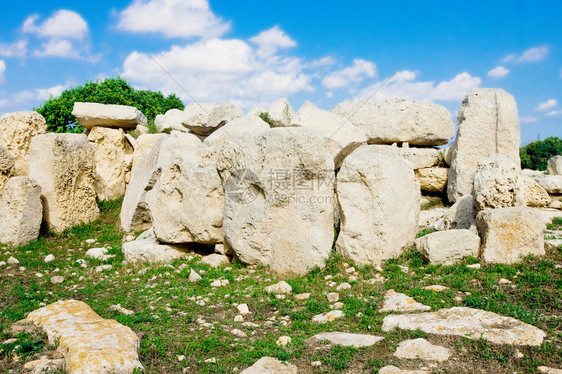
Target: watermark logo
point(242, 186)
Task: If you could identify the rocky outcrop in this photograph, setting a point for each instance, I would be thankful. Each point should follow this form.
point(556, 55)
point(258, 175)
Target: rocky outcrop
point(495, 183)
point(487, 123)
point(270, 365)
point(432, 179)
point(204, 118)
point(149, 250)
point(63, 165)
point(16, 131)
point(21, 211)
point(108, 115)
point(397, 120)
point(7, 166)
point(448, 247)
point(555, 165)
point(379, 202)
point(171, 120)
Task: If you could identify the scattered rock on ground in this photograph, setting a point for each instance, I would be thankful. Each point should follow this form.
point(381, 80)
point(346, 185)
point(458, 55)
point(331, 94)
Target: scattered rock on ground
point(399, 302)
point(151, 251)
point(448, 247)
point(391, 369)
point(215, 260)
point(347, 339)
point(328, 316)
point(270, 365)
point(422, 349)
point(281, 288)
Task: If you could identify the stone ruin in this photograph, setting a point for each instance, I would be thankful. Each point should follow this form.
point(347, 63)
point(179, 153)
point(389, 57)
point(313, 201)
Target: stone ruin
point(272, 193)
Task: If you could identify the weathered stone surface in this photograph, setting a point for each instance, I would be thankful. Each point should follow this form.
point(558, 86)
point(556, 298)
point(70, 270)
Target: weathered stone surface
point(151, 251)
point(282, 114)
point(146, 171)
point(278, 205)
point(16, 131)
point(342, 137)
point(399, 302)
point(215, 260)
point(379, 203)
point(510, 233)
point(186, 203)
point(448, 247)
point(487, 123)
point(551, 183)
point(21, 211)
point(548, 370)
point(111, 152)
point(397, 120)
point(432, 179)
point(328, 316)
point(281, 288)
point(204, 118)
point(421, 158)
point(530, 193)
point(7, 166)
point(430, 216)
point(270, 365)
point(44, 365)
point(468, 322)
point(108, 115)
point(172, 120)
point(347, 339)
point(461, 215)
point(422, 349)
point(555, 165)
point(90, 344)
point(391, 369)
point(63, 165)
point(145, 143)
point(495, 182)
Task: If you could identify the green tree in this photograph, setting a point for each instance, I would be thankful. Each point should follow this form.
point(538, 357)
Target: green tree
point(535, 155)
point(58, 110)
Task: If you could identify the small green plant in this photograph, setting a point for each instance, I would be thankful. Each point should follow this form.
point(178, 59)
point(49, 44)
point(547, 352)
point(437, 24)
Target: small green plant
point(266, 118)
point(424, 232)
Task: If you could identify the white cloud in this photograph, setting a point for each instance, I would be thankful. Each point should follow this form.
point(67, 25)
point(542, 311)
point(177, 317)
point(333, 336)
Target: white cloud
point(403, 85)
point(270, 41)
point(57, 48)
point(17, 49)
point(547, 105)
point(356, 73)
point(45, 93)
point(219, 70)
point(27, 99)
point(527, 119)
point(498, 72)
point(2, 71)
point(64, 24)
point(323, 62)
point(509, 58)
point(172, 18)
point(554, 113)
point(534, 54)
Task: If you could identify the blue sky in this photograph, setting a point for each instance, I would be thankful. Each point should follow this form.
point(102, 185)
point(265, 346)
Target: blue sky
point(253, 52)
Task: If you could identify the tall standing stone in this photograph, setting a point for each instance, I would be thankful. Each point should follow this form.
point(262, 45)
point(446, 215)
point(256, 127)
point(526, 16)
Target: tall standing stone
point(63, 165)
point(16, 131)
point(487, 123)
point(379, 203)
point(21, 211)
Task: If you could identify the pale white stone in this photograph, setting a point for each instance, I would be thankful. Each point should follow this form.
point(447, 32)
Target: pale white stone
point(283, 341)
point(555, 165)
point(108, 115)
point(57, 279)
point(215, 260)
point(270, 365)
point(421, 158)
point(530, 193)
point(432, 179)
point(548, 370)
point(551, 183)
point(436, 288)
point(461, 215)
point(282, 114)
point(448, 247)
point(149, 250)
point(98, 253)
point(7, 166)
point(391, 369)
point(243, 309)
point(333, 297)
point(422, 349)
point(348, 339)
point(399, 302)
point(194, 276)
point(49, 258)
point(13, 261)
point(279, 288)
point(144, 143)
point(171, 120)
point(328, 316)
point(302, 296)
point(21, 211)
point(430, 216)
point(343, 286)
point(204, 118)
point(495, 182)
point(120, 309)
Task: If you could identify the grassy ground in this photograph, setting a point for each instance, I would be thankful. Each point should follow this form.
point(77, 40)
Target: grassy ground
point(176, 318)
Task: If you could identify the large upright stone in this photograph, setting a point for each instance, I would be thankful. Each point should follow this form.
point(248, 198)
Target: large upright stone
point(7, 166)
point(21, 211)
point(510, 233)
point(279, 199)
point(379, 203)
point(108, 115)
point(111, 153)
point(282, 114)
point(555, 165)
point(16, 131)
point(144, 143)
point(171, 120)
point(398, 120)
point(63, 165)
point(487, 123)
point(496, 182)
point(204, 118)
point(134, 211)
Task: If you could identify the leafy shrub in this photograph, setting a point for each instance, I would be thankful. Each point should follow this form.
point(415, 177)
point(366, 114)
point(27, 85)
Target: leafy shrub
point(535, 155)
point(58, 110)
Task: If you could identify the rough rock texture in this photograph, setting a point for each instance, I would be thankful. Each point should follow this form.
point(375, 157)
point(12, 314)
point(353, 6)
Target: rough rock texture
point(432, 179)
point(461, 215)
point(421, 349)
point(21, 211)
point(172, 120)
point(145, 143)
point(270, 365)
point(420, 158)
point(342, 137)
point(146, 171)
point(555, 165)
point(90, 344)
point(391, 369)
point(430, 216)
point(281, 288)
point(108, 115)
point(112, 151)
point(530, 193)
point(186, 204)
point(448, 247)
point(282, 114)
point(487, 123)
point(468, 322)
point(510, 233)
point(16, 131)
point(215, 260)
point(551, 183)
point(379, 203)
point(399, 302)
point(397, 120)
point(495, 182)
point(278, 205)
point(151, 251)
point(347, 339)
point(204, 118)
point(63, 165)
point(7, 166)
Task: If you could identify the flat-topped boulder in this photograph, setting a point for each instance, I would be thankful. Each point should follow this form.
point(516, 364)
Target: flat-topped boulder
point(89, 343)
point(347, 339)
point(108, 115)
point(398, 121)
